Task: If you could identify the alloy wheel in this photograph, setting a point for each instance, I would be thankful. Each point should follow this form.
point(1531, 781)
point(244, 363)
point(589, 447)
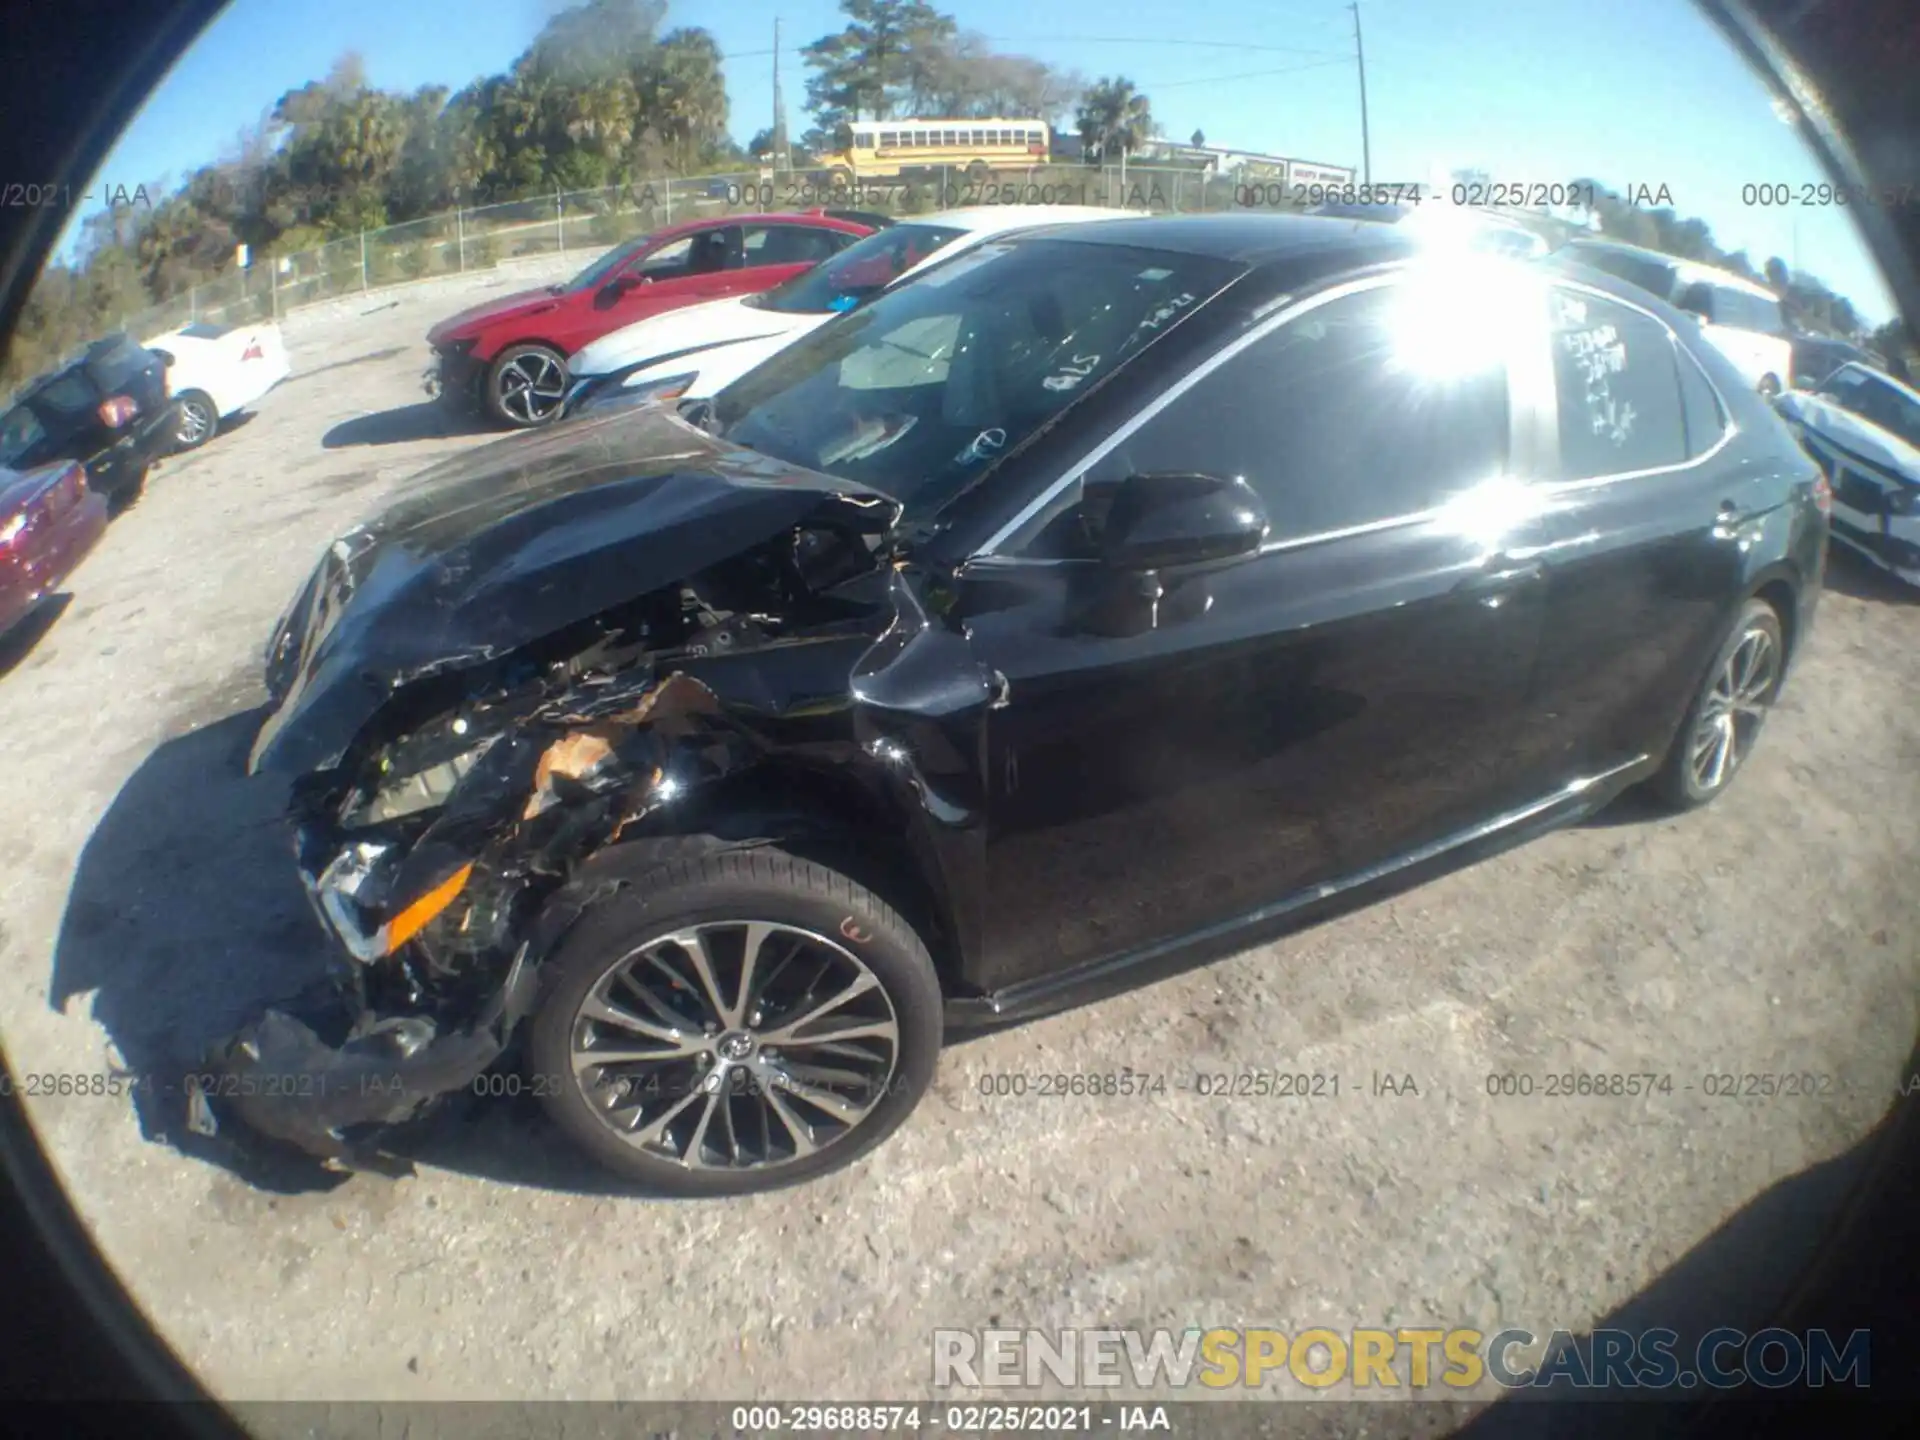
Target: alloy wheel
point(741, 1045)
point(196, 420)
point(1735, 707)
point(531, 387)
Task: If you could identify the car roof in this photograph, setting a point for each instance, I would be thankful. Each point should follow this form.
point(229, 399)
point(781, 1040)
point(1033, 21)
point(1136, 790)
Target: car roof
point(991, 219)
point(1254, 239)
point(1685, 270)
point(1882, 376)
point(73, 362)
point(818, 219)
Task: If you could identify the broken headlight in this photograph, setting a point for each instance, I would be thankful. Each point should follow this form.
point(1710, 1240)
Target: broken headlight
point(408, 783)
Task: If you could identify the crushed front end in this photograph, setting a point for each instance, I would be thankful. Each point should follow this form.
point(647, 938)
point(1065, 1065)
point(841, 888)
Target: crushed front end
point(432, 870)
point(461, 737)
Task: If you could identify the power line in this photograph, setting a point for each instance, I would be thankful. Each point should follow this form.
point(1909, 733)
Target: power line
point(1244, 75)
point(1143, 40)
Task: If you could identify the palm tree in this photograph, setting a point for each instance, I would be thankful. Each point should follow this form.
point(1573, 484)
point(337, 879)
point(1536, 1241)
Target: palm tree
point(1114, 118)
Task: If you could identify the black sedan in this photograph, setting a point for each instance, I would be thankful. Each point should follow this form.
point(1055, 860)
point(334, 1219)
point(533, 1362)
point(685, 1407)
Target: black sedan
point(1109, 597)
point(108, 409)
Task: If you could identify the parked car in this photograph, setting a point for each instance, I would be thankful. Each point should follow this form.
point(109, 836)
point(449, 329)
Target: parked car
point(1108, 596)
point(1863, 428)
point(108, 409)
point(49, 520)
point(216, 371)
point(700, 349)
point(1815, 357)
point(1741, 319)
point(509, 356)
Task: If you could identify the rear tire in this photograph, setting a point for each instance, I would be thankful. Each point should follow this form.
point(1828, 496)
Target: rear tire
point(1723, 724)
point(651, 1117)
point(526, 386)
point(199, 421)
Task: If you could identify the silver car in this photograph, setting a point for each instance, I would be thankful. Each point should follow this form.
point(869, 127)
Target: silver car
point(1863, 427)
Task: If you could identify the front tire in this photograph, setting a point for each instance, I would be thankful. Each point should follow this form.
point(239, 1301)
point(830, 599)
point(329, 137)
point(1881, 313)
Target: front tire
point(199, 421)
point(760, 1021)
point(1723, 723)
point(526, 386)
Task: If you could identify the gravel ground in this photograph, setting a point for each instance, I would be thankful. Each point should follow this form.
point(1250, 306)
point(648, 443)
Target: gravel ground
point(149, 898)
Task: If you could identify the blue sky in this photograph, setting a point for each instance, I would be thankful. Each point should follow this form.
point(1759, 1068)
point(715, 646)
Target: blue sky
point(1633, 92)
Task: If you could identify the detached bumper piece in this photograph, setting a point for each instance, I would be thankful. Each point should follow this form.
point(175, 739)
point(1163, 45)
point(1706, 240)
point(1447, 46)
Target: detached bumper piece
point(282, 1079)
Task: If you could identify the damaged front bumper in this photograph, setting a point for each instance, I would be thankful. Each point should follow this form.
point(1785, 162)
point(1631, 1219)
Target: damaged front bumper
point(446, 917)
point(283, 1077)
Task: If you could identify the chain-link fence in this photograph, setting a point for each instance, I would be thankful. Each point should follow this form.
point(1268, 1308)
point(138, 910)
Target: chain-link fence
point(588, 221)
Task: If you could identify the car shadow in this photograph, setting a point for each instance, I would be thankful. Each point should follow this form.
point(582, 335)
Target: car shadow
point(20, 641)
point(1635, 806)
point(427, 420)
point(239, 420)
point(1828, 1248)
point(299, 375)
point(184, 918)
point(1851, 574)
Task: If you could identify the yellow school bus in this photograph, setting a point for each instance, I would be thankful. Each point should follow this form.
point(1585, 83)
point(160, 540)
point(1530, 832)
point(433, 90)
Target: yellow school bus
point(912, 149)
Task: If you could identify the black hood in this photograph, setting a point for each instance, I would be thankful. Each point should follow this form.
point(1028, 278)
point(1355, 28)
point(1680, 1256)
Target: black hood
point(509, 543)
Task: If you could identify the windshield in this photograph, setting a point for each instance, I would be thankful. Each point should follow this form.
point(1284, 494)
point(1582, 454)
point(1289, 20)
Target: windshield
point(1864, 394)
point(922, 388)
point(860, 270)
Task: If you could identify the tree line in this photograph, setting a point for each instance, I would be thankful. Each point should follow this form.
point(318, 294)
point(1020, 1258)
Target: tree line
point(605, 95)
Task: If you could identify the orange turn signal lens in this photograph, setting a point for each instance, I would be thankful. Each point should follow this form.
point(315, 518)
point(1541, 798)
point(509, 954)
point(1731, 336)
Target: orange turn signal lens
point(415, 918)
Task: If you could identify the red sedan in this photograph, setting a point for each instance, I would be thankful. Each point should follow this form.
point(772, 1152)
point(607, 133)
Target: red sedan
point(510, 355)
point(49, 520)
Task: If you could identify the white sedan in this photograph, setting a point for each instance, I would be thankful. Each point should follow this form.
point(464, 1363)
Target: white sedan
point(215, 371)
point(700, 349)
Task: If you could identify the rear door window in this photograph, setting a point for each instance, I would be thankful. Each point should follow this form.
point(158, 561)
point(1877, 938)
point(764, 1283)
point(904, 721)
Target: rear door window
point(1617, 383)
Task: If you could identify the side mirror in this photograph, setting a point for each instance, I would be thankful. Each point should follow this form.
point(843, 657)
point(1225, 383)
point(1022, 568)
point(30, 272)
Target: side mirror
point(621, 284)
point(1168, 519)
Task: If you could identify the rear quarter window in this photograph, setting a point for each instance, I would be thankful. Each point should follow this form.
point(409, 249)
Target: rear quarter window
point(114, 366)
point(71, 394)
point(1617, 386)
point(1704, 416)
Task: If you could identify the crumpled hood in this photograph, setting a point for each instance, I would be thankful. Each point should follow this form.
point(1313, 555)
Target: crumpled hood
point(1879, 448)
point(682, 332)
point(508, 543)
point(521, 302)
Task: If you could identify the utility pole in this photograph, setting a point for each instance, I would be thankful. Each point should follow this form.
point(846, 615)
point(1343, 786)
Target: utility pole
point(1360, 59)
point(782, 162)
